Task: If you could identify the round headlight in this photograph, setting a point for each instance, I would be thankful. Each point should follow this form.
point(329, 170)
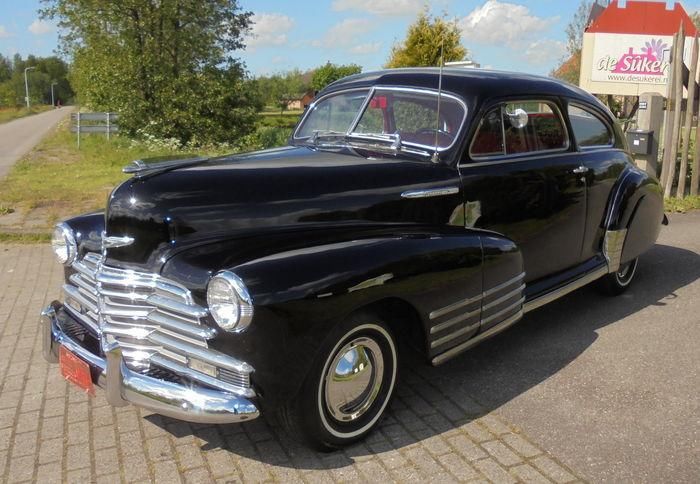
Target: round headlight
point(229, 301)
point(64, 244)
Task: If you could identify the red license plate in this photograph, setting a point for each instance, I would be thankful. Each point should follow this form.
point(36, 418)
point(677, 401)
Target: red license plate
point(75, 370)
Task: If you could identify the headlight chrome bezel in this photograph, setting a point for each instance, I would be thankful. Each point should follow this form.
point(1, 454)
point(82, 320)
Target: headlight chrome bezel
point(238, 297)
point(64, 239)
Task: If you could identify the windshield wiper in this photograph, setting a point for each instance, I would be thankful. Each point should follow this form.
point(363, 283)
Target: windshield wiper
point(319, 135)
point(385, 142)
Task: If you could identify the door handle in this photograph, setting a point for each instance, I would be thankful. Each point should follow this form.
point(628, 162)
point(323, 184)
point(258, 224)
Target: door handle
point(581, 170)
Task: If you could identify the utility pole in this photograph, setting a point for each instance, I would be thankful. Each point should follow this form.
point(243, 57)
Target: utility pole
point(26, 84)
point(53, 103)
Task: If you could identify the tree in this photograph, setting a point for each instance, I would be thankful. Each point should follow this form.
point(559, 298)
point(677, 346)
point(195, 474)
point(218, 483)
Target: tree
point(569, 69)
point(427, 38)
point(329, 73)
point(166, 67)
point(5, 68)
point(47, 70)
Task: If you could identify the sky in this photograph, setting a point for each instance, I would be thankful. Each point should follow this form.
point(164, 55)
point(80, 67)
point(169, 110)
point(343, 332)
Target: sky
point(516, 35)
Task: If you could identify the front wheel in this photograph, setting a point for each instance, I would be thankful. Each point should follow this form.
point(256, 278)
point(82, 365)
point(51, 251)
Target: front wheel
point(616, 283)
point(349, 385)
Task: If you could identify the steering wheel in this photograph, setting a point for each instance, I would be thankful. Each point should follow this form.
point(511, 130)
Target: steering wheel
point(432, 131)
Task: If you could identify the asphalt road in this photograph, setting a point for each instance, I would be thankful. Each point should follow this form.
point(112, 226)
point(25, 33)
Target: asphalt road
point(609, 385)
point(21, 135)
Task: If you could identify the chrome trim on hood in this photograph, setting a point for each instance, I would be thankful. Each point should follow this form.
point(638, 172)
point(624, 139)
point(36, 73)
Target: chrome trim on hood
point(149, 166)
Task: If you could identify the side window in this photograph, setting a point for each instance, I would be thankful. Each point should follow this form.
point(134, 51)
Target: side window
point(488, 140)
point(520, 128)
point(588, 128)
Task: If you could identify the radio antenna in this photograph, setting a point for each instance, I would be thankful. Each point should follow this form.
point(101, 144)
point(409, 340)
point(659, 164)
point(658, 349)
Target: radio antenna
point(436, 154)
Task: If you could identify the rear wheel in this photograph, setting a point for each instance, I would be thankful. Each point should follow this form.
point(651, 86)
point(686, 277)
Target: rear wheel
point(616, 283)
point(348, 387)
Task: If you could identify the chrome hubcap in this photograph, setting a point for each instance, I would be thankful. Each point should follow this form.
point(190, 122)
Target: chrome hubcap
point(353, 379)
point(625, 274)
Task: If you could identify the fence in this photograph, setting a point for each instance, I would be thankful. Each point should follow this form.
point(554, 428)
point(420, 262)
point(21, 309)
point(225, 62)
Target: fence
point(678, 128)
point(94, 123)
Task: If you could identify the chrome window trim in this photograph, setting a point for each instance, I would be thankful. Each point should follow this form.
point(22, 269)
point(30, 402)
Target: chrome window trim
point(518, 156)
point(524, 159)
point(371, 91)
point(606, 123)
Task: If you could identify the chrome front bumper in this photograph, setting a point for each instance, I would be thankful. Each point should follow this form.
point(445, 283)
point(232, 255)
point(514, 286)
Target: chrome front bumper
point(122, 385)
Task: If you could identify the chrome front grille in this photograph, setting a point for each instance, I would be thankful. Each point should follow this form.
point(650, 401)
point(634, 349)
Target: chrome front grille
point(155, 322)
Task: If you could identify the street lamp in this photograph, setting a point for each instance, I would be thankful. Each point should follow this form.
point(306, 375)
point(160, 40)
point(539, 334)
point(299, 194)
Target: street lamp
point(26, 85)
point(53, 104)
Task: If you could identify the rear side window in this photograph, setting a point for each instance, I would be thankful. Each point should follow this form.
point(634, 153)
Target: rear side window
point(520, 128)
point(589, 130)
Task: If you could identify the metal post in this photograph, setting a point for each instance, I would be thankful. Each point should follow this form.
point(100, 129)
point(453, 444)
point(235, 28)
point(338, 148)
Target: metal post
point(53, 103)
point(78, 116)
point(107, 126)
point(26, 85)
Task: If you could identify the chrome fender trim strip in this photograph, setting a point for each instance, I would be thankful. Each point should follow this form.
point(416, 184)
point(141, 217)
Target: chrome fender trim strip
point(430, 192)
point(451, 353)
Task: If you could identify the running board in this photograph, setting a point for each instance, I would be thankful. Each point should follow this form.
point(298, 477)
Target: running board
point(564, 290)
point(527, 307)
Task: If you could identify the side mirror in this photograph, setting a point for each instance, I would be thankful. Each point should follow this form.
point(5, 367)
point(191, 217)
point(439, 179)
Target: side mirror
point(519, 118)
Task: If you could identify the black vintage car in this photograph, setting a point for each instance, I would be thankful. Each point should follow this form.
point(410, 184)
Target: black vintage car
point(409, 207)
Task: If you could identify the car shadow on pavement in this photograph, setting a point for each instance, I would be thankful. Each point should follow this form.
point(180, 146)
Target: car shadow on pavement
point(431, 401)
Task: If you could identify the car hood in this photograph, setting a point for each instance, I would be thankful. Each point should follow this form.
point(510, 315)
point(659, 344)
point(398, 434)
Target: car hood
point(254, 194)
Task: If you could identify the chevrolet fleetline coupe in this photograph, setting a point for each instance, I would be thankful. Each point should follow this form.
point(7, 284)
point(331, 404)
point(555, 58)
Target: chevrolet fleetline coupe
point(412, 209)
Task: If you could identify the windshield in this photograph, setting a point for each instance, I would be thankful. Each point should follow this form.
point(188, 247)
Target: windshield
point(333, 114)
point(411, 116)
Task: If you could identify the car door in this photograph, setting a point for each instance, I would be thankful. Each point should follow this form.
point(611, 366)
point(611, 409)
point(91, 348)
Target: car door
point(521, 179)
point(594, 137)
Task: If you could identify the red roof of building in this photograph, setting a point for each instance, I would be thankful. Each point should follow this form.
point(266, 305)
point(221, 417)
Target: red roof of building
point(650, 18)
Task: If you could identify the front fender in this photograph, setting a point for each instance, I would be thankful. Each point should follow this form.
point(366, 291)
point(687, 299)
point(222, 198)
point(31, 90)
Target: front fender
point(88, 231)
point(300, 294)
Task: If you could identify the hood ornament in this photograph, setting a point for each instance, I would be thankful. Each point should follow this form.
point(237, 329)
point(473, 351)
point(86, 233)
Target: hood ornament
point(149, 166)
point(114, 241)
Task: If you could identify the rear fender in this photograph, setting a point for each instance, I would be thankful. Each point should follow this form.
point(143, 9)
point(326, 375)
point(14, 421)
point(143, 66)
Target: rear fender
point(634, 217)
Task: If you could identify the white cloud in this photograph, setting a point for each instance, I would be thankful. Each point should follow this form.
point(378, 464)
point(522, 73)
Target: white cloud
point(545, 51)
point(501, 23)
point(365, 49)
point(380, 7)
point(4, 34)
point(41, 27)
point(269, 29)
point(345, 33)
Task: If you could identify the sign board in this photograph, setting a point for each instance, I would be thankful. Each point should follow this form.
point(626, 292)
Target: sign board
point(639, 59)
point(643, 105)
point(94, 123)
point(628, 64)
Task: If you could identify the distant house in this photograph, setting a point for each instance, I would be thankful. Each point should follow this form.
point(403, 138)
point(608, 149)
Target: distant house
point(300, 102)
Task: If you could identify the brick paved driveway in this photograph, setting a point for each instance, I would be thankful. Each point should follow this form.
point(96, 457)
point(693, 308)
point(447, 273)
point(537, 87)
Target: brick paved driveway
point(435, 430)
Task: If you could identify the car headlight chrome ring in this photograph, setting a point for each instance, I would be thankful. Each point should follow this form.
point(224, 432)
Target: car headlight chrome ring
point(229, 302)
point(64, 244)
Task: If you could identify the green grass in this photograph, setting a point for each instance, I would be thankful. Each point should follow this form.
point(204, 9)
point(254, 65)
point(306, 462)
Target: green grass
point(56, 180)
point(24, 238)
point(276, 120)
point(8, 114)
point(682, 205)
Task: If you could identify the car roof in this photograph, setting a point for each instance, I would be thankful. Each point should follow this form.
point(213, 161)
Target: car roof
point(471, 84)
